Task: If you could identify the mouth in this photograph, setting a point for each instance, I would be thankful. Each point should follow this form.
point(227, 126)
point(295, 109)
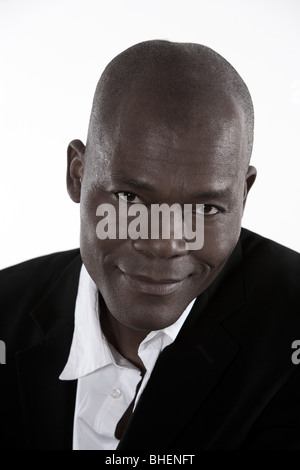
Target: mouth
point(148, 285)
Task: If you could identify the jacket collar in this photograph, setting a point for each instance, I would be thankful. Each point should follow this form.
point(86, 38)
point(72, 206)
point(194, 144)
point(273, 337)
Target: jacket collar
point(56, 308)
point(48, 403)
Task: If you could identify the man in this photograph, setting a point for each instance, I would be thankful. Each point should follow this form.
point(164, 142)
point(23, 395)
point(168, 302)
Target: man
point(171, 348)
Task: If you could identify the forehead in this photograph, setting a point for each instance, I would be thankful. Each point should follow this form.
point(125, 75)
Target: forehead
point(206, 145)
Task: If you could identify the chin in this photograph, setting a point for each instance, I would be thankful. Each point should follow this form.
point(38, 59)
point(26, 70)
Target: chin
point(149, 319)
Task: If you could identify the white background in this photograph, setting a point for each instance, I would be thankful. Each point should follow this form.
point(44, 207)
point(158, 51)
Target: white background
point(52, 53)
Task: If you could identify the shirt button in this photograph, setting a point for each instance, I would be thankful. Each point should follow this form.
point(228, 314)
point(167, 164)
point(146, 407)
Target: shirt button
point(115, 393)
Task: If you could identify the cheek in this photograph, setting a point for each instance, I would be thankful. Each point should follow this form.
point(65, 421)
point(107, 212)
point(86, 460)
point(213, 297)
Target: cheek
point(92, 248)
point(96, 252)
point(88, 236)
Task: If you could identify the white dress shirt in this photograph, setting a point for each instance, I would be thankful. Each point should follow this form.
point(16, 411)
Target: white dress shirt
point(106, 380)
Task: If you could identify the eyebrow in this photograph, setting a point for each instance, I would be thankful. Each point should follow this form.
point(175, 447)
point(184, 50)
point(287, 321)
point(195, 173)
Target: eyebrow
point(133, 182)
point(141, 185)
point(219, 194)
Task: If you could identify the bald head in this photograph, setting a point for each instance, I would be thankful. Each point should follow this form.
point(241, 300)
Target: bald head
point(171, 124)
point(177, 81)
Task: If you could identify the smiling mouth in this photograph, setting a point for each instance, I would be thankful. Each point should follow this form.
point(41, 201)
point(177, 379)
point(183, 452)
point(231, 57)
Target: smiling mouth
point(147, 285)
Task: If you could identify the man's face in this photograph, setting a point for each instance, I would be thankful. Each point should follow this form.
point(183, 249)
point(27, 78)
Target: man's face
point(146, 284)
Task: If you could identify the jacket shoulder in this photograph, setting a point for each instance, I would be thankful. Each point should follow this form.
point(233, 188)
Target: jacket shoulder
point(48, 265)
point(23, 284)
point(270, 264)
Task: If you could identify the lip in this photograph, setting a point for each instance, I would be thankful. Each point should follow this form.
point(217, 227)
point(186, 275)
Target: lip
point(148, 285)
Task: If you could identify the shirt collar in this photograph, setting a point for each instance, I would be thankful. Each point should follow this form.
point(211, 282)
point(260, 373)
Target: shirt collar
point(90, 350)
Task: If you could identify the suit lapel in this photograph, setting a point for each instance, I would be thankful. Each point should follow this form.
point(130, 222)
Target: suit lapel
point(48, 403)
point(188, 370)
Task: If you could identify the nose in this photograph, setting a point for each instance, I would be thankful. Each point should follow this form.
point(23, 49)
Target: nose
point(161, 248)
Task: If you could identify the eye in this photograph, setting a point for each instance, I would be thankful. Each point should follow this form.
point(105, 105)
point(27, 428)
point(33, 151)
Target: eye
point(207, 209)
point(210, 210)
point(128, 197)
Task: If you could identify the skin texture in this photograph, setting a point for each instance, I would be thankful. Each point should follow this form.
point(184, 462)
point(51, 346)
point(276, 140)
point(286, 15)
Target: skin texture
point(191, 147)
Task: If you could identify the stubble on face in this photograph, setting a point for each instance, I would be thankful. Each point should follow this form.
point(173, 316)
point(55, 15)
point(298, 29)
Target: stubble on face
point(162, 163)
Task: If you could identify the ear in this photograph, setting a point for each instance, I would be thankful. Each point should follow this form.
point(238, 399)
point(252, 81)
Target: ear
point(75, 169)
point(249, 180)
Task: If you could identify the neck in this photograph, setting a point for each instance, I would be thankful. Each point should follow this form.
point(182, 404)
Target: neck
point(124, 339)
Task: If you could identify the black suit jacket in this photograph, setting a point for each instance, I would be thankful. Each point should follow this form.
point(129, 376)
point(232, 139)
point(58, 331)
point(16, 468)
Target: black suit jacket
point(227, 382)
